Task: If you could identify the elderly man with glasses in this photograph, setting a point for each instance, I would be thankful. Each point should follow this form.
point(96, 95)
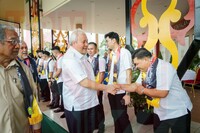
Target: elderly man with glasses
point(13, 114)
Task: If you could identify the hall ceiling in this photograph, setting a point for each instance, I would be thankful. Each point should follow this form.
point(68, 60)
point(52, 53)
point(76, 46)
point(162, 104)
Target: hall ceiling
point(12, 10)
point(98, 16)
point(102, 16)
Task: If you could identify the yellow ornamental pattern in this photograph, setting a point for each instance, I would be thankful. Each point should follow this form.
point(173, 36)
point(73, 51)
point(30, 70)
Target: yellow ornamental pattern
point(161, 30)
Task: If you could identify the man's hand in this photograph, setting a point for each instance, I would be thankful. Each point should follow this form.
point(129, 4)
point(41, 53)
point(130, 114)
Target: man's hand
point(127, 99)
point(112, 89)
point(37, 131)
point(49, 83)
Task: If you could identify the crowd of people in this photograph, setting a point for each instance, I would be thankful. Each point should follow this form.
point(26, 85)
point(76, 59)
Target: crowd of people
point(74, 83)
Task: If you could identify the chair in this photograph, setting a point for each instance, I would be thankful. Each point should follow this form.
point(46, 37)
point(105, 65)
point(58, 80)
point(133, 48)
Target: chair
point(194, 82)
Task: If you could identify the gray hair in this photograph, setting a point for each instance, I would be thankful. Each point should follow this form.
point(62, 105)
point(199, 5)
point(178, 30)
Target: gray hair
point(74, 36)
point(3, 28)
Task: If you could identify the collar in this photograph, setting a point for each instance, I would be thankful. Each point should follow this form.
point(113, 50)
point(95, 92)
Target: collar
point(11, 64)
point(95, 55)
point(77, 54)
point(117, 52)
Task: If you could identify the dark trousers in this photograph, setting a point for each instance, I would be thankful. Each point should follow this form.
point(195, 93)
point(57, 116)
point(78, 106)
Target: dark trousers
point(45, 89)
point(60, 90)
point(55, 94)
point(100, 114)
point(119, 114)
point(177, 125)
point(81, 121)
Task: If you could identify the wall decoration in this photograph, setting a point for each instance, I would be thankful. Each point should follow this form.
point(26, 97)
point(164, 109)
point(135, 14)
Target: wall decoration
point(47, 39)
point(180, 29)
point(60, 38)
point(165, 29)
point(35, 25)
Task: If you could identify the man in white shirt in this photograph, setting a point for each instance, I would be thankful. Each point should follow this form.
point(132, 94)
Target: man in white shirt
point(98, 64)
point(120, 71)
point(58, 75)
point(49, 71)
point(79, 88)
point(45, 93)
point(173, 108)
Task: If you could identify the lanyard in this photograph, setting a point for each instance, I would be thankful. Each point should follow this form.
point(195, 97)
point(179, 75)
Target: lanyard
point(26, 88)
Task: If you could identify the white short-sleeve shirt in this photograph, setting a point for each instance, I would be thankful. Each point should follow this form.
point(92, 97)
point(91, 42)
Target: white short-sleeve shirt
point(102, 63)
point(125, 63)
point(75, 68)
point(42, 63)
point(51, 64)
point(59, 65)
point(176, 103)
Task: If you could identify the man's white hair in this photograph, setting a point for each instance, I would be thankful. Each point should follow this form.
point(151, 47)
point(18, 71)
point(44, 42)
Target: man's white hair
point(74, 36)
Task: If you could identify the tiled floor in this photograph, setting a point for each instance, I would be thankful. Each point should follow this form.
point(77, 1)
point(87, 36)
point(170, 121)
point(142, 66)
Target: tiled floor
point(137, 128)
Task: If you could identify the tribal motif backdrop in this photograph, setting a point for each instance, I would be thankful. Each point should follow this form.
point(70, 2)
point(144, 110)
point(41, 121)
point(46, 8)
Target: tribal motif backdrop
point(166, 29)
point(60, 38)
point(34, 25)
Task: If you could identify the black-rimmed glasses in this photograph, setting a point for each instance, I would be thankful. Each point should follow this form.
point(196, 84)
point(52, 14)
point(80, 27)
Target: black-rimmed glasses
point(13, 41)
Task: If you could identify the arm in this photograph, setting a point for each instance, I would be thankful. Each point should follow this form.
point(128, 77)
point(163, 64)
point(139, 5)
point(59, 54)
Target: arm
point(58, 72)
point(128, 81)
point(141, 90)
point(96, 86)
point(152, 92)
point(102, 65)
point(128, 76)
point(101, 77)
point(50, 75)
point(51, 69)
point(39, 68)
point(58, 68)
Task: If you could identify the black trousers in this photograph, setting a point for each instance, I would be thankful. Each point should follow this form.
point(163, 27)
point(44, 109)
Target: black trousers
point(45, 89)
point(119, 114)
point(55, 93)
point(60, 90)
point(177, 125)
point(81, 121)
point(100, 114)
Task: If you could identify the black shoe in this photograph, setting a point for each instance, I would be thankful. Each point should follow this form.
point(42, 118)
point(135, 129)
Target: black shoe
point(49, 105)
point(63, 115)
point(46, 100)
point(54, 106)
point(58, 110)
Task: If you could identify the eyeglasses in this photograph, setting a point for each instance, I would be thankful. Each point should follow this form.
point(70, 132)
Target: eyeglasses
point(13, 42)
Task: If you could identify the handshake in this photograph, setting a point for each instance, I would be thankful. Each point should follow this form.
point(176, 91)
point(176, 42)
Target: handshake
point(134, 87)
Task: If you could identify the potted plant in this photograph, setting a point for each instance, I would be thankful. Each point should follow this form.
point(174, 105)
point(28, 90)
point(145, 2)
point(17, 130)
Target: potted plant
point(143, 114)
